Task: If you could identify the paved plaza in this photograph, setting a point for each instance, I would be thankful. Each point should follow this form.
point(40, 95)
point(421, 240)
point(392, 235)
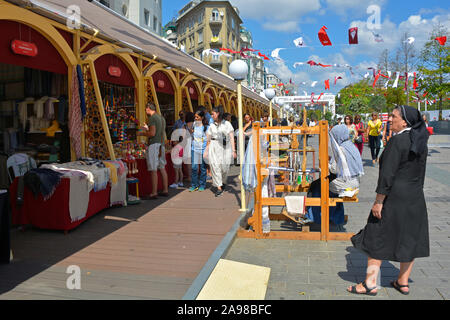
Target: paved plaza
point(311, 270)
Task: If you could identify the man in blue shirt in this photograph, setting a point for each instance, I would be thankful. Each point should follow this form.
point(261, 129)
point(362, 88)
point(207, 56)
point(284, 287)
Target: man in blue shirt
point(180, 122)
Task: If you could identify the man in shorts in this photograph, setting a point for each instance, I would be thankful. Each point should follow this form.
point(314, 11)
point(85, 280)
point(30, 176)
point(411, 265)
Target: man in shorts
point(155, 130)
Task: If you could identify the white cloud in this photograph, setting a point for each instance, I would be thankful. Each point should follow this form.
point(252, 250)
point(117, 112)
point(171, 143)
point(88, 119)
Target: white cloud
point(279, 15)
point(353, 8)
point(286, 26)
point(415, 26)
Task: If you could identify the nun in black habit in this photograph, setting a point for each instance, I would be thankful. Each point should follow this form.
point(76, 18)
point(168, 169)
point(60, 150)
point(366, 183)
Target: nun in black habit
point(397, 227)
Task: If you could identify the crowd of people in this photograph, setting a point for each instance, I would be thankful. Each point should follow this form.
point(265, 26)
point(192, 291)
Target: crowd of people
point(397, 227)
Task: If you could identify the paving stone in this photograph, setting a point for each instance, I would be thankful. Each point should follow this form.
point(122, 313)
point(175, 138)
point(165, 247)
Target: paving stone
point(334, 265)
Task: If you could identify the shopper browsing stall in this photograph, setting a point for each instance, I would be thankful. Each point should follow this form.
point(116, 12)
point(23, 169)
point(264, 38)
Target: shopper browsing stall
point(155, 131)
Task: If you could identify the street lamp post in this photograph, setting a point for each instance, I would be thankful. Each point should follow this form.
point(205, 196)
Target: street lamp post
point(270, 94)
point(238, 70)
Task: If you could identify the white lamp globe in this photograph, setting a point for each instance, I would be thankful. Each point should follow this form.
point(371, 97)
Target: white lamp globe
point(286, 107)
point(239, 69)
point(269, 93)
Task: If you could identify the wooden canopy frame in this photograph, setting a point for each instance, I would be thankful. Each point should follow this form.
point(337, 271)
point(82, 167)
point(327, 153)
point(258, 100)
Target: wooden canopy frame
point(325, 202)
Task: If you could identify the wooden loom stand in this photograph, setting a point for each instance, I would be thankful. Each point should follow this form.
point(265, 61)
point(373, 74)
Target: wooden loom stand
point(324, 202)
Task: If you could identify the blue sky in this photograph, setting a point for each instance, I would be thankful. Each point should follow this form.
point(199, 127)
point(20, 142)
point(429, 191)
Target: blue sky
point(276, 23)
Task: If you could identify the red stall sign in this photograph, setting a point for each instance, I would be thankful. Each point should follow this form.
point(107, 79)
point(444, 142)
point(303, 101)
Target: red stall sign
point(114, 71)
point(24, 48)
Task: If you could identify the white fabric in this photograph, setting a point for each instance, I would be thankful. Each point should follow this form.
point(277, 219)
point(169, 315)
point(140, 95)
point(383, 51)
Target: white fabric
point(79, 198)
point(219, 158)
point(23, 111)
point(175, 154)
point(81, 184)
point(265, 209)
point(295, 205)
point(39, 107)
point(118, 194)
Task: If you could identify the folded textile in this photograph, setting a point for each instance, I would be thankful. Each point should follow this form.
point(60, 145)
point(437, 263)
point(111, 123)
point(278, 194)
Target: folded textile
point(295, 205)
point(42, 180)
point(112, 170)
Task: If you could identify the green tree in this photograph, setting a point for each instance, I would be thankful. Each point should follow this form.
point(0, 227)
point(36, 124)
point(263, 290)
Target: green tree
point(357, 106)
point(377, 103)
point(435, 67)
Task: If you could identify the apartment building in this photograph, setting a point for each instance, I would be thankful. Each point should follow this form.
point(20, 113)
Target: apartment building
point(209, 25)
point(145, 13)
point(255, 77)
point(272, 81)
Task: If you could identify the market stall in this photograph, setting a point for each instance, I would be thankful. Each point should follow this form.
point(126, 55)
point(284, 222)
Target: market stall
point(62, 196)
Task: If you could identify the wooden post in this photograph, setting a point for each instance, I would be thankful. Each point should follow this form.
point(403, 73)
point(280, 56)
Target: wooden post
point(101, 111)
point(258, 204)
point(324, 181)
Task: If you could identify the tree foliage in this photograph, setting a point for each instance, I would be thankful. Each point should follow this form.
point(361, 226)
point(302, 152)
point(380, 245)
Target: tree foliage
point(435, 67)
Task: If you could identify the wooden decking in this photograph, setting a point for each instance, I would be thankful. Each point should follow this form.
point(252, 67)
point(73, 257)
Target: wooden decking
point(153, 250)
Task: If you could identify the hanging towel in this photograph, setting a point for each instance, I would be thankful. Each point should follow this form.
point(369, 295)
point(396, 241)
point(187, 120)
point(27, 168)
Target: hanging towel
point(112, 170)
point(295, 205)
point(75, 123)
point(81, 89)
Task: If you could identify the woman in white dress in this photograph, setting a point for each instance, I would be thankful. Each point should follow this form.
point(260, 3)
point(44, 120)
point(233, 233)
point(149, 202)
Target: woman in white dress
point(220, 149)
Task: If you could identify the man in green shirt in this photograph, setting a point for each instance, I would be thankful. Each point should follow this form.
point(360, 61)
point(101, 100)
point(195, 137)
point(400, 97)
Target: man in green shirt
point(155, 130)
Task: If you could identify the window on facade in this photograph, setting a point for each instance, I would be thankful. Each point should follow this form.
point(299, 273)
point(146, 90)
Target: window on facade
point(147, 17)
point(215, 15)
point(232, 23)
point(155, 23)
point(200, 36)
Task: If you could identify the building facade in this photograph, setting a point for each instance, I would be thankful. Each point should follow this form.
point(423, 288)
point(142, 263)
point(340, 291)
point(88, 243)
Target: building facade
point(145, 13)
point(255, 77)
point(272, 81)
point(205, 25)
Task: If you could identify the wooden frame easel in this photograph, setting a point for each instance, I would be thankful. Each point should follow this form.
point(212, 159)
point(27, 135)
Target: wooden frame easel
point(325, 202)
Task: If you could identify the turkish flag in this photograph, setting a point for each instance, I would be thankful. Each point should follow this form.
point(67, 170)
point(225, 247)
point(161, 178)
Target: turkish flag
point(320, 96)
point(336, 79)
point(327, 84)
point(415, 85)
point(323, 37)
point(353, 35)
point(442, 40)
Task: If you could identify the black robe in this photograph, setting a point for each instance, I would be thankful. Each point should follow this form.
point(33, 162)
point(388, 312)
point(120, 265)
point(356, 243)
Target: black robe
point(402, 233)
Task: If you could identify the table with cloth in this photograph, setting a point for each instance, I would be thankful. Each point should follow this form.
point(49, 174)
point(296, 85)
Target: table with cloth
point(85, 188)
point(145, 178)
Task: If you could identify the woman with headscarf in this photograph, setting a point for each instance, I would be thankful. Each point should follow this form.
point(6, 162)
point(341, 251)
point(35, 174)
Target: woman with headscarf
point(397, 228)
point(346, 169)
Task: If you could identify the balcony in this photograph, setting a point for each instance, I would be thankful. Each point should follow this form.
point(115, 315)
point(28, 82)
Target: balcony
point(215, 61)
point(215, 21)
point(216, 41)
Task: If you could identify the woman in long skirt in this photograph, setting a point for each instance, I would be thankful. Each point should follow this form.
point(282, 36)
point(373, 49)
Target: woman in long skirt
point(397, 228)
point(220, 149)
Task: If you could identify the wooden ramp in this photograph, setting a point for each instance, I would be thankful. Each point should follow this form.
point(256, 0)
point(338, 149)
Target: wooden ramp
point(233, 280)
point(153, 250)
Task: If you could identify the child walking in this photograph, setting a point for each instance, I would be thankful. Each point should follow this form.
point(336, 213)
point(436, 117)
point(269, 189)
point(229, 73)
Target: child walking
point(177, 159)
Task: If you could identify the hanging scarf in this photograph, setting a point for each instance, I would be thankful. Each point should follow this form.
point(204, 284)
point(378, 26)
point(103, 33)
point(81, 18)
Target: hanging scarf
point(81, 89)
point(345, 154)
point(418, 133)
point(75, 122)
